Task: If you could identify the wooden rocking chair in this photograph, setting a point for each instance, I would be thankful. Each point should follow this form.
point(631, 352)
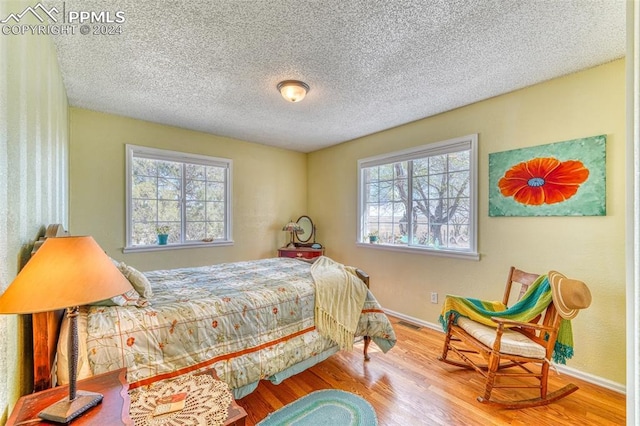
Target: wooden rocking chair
point(525, 347)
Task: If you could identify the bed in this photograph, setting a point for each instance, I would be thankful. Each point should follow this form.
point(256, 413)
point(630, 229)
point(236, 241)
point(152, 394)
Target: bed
point(250, 321)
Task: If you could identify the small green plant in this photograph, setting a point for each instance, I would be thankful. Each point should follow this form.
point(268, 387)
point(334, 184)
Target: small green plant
point(163, 229)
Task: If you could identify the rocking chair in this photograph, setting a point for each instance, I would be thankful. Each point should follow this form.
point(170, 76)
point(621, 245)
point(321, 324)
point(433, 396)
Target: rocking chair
point(526, 347)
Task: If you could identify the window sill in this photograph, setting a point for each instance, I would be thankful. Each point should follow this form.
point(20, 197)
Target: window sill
point(193, 244)
point(418, 250)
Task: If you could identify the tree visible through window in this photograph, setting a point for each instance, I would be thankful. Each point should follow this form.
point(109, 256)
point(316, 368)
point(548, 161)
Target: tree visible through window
point(421, 198)
point(186, 194)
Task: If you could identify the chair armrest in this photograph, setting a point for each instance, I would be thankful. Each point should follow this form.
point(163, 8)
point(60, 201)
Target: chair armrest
point(509, 322)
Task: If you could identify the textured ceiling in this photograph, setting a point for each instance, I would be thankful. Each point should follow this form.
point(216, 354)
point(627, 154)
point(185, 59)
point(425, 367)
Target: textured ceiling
point(213, 66)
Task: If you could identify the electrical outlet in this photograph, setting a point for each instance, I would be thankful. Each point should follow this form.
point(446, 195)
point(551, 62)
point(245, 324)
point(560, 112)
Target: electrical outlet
point(434, 297)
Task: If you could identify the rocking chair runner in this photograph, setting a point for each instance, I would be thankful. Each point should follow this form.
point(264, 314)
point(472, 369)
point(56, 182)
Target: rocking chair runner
point(526, 345)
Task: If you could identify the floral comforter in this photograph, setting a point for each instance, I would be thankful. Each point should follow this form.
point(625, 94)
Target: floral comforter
point(248, 320)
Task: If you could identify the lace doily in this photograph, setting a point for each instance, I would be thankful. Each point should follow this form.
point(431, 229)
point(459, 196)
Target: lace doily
point(207, 402)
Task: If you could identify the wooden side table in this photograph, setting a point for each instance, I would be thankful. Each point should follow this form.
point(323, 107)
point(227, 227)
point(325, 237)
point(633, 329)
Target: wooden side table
point(113, 410)
point(303, 252)
point(237, 415)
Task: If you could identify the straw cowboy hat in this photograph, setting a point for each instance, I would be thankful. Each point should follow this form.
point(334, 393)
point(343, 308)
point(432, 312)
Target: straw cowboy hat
point(569, 296)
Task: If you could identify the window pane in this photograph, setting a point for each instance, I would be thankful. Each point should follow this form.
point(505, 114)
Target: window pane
point(145, 211)
point(459, 161)
point(458, 185)
point(400, 190)
point(421, 234)
point(400, 212)
point(385, 172)
point(195, 171)
point(372, 191)
point(437, 186)
point(196, 231)
point(215, 212)
point(195, 211)
point(215, 191)
point(169, 211)
point(215, 230)
point(385, 191)
point(460, 216)
point(144, 234)
point(168, 189)
point(385, 212)
point(144, 167)
point(144, 187)
point(458, 236)
point(421, 210)
point(421, 167)
point(169, 169)
point(174, 232)
point(400, 170)
point(420, 187)
point(215, 174)
point(371, 174)
point(195, 190)
point(437, 164)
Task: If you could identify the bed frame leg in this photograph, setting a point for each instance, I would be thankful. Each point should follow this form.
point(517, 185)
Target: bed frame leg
point(367, 340)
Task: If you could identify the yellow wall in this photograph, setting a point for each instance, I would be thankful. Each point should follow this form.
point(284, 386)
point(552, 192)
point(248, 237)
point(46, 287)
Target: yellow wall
point(269, 188)
point(584, 104)
point(33, 178)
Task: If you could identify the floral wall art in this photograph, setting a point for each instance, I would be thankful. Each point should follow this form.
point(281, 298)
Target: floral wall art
point(558, 179)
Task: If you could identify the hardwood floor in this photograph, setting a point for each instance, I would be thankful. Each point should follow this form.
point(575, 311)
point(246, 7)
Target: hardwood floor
point(409, 386)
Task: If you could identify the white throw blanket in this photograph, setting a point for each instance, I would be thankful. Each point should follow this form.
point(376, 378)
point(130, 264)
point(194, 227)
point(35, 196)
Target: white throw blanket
point(340, 296)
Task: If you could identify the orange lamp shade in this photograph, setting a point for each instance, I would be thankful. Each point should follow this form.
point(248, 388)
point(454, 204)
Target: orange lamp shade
point(64, 272)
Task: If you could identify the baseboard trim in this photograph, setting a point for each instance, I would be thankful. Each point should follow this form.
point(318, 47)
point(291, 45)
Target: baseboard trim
point(562, 369)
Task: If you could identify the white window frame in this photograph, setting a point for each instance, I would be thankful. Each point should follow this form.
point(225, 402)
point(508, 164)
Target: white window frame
point(184, 158)
point(468, 142)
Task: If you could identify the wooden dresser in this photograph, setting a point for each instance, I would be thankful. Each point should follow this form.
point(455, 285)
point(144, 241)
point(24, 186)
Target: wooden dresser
point(304, 252)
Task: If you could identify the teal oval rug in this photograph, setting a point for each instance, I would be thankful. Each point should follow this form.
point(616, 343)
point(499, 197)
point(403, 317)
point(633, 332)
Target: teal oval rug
point(324, 407)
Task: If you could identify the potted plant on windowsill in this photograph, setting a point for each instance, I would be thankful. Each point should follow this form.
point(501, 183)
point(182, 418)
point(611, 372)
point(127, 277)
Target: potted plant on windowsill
point(373, 237)
point(163, 234)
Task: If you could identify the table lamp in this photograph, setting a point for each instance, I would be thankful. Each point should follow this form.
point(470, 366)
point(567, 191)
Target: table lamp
point(293, 228)
point(64, 273)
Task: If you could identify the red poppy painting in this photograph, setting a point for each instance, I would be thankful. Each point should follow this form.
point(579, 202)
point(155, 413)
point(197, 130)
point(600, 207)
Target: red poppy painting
point(559, 179)
point(543, 181)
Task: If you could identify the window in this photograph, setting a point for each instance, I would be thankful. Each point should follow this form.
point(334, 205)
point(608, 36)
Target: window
point(187, 194)
point(422, 198)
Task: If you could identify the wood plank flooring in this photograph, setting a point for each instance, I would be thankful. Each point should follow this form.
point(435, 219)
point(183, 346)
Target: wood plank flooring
point(409, 386)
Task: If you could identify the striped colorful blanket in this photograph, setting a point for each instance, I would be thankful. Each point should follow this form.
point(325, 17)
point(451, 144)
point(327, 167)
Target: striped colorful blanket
point(532, 303)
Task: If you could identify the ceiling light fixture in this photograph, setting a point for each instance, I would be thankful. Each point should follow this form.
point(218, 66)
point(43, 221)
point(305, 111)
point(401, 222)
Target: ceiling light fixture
point(293, 90)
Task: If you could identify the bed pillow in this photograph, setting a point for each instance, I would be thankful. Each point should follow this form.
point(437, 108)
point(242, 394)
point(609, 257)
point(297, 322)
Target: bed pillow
point(137, 280)
point(130, 298)
point(137, 296)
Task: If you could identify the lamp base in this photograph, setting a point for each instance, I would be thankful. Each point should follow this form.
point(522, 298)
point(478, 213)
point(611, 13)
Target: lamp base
point(65, 411)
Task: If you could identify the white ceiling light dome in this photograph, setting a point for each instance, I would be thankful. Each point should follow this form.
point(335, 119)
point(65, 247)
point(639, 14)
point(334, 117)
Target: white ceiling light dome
point(293, 90)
